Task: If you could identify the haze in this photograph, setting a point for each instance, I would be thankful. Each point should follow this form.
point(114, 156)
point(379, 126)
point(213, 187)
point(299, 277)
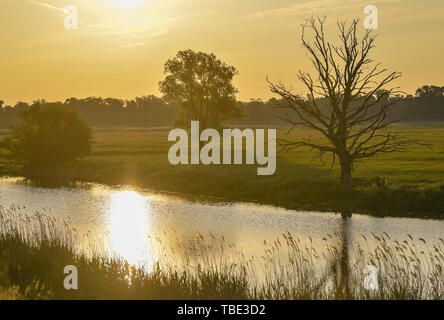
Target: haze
point(121, 45)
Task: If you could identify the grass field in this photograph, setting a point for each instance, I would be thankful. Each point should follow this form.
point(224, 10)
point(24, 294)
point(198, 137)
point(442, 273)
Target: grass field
point(407, 183)
point(419, 165)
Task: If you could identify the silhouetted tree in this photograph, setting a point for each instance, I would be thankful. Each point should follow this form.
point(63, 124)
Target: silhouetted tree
point(152, 111)
point(430, 91)
point(354, 119)
point(49, 136)
point(203, 87)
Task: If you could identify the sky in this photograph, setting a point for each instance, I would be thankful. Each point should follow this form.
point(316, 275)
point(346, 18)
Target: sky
point(120, 46)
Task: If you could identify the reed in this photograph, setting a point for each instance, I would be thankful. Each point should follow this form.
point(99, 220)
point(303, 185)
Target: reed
point(35, 249)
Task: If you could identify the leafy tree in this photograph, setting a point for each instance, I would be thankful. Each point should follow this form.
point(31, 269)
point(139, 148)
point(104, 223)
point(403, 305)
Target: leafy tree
point(49, 136)
point(203, 87)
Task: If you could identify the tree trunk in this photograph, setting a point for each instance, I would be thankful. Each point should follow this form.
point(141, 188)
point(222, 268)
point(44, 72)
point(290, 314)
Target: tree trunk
point(346, 185)
point(344, 280)
point(346, 173)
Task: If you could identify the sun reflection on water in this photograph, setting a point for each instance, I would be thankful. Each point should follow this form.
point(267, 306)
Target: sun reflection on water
point(129, 214)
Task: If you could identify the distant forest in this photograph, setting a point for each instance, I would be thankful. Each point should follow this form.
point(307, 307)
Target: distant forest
point(427, 106)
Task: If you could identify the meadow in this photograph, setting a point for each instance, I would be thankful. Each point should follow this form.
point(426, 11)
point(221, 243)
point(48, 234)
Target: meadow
point(35, 249)
point(407, 183)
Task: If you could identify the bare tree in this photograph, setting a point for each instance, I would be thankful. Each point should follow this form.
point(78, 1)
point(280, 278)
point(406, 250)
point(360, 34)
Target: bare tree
point(355, 118)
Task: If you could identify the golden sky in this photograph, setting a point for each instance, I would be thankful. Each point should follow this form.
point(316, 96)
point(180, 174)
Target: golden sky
point(121, 45)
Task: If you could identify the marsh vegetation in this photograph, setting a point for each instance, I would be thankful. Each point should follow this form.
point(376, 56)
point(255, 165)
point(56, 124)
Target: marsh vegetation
point(35, 249)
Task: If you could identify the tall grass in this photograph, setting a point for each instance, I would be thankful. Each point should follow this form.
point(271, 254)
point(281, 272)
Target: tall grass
point(35, 249)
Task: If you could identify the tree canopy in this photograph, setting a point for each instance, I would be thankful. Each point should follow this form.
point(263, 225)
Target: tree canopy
point(203, 87)
point(48, 136)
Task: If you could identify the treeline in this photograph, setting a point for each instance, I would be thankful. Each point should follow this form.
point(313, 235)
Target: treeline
point(146, 111)
point(150, 111)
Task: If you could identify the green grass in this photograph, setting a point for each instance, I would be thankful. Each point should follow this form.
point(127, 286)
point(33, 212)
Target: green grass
point(396, 184)
point(32, 264)
point(419, 165)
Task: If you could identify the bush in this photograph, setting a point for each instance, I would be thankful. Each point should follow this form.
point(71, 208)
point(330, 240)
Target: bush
point(48, 137)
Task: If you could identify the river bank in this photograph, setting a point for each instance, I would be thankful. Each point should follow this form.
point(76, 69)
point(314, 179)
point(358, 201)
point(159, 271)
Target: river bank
point(408, 184)
point(375, 197)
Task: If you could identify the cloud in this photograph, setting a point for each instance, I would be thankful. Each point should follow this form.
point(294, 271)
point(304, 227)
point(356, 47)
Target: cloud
point(312, 6)
point(49, 6)
point(135, 28)
point(132, 45)
point(129, 33)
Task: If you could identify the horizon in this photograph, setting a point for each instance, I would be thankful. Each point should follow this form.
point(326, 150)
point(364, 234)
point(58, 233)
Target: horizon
point(214, 151)
point(159, 96)
point(120, 47)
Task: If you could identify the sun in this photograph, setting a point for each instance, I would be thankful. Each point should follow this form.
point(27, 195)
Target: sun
point(126, 4)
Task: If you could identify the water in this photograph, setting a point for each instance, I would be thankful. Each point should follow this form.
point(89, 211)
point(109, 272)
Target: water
point(125, 219)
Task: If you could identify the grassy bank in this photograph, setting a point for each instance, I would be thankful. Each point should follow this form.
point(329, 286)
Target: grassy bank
point(34, 251)
point(399, 184)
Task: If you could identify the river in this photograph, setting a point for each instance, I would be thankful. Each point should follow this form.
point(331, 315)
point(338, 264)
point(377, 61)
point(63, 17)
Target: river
point(124, 221)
